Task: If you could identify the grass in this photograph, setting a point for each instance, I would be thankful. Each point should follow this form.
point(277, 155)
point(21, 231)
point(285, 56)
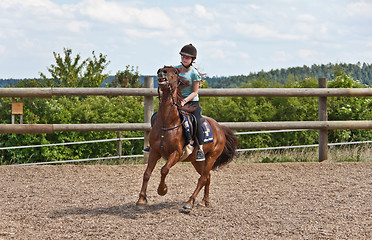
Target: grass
point(345, 153)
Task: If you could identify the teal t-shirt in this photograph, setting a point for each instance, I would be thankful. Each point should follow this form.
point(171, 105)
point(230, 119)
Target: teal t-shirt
point(192, 76)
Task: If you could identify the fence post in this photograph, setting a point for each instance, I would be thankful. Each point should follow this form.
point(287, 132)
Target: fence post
point(149, 110)
point(119, 145)
point(323, 133)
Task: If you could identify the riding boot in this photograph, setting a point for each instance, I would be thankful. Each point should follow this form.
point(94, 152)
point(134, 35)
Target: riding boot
point(146, 149)
point(200, 154)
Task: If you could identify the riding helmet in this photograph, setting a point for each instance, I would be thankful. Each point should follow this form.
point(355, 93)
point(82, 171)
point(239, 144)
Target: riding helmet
point(189, 50)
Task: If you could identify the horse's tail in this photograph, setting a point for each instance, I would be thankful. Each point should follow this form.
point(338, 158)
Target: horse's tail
point(228, 152)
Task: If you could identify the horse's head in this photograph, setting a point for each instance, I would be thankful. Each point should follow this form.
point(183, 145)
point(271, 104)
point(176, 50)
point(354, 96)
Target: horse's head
point(167, 76)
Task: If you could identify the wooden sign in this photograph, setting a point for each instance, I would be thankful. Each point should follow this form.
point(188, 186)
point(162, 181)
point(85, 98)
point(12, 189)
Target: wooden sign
point(17, 108)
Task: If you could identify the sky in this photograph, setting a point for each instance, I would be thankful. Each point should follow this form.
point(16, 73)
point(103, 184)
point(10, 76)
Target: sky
point(233, 37)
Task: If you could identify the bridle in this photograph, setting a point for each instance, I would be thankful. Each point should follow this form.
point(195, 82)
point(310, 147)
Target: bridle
point(163, 81)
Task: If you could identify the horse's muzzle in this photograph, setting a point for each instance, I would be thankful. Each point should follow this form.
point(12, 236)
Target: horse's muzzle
point(162, 77)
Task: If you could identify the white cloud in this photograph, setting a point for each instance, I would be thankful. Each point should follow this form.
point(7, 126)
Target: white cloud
point(281, 56)
point(368, 54)
point(2, 49)
point(310, 30)
point(202, 12)
point(254, 30)
point(220, 43)
point(360, 9)
point(254, 6)
point(232, 37)
point(306, 18)
point(120, 13)
point(308, 54)
point(78, 26)
point(39, 8)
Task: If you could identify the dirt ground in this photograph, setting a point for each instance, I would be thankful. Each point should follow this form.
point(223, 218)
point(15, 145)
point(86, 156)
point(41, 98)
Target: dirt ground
point(249, 201)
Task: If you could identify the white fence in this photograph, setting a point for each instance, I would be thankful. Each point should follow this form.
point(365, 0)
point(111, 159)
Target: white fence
point(142, 138)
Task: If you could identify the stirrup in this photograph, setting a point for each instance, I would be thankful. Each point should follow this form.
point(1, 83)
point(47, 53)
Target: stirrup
point(200, 156)
point(146, 149)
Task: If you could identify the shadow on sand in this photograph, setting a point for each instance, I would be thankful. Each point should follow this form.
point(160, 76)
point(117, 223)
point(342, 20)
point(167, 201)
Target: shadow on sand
point(128, 211)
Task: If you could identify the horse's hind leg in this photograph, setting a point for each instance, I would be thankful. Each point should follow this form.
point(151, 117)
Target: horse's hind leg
point(205, 200)
point(142, 200)
point(203, 181)
point(199, 167)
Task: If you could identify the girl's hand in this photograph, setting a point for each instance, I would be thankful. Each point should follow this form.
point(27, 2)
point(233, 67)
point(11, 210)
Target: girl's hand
point(183, 102)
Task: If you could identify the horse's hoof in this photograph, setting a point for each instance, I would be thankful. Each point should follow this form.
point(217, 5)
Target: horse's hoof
point(188, 206)
point(141, 202)
point(162, 191)
point(203, 204)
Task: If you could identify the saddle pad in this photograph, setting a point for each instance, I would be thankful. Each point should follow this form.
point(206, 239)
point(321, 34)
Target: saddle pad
point(208, 134)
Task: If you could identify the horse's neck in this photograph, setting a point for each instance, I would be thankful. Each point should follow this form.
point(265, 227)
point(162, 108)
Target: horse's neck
point(167, 110)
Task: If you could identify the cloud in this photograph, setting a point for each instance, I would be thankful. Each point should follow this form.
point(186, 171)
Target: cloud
point(306, 18)
point(281, 56)
point(232, 37)
point(360, 9)
point(254, 6)
point(308, 54)
point(202, 12)
point(2, 49)
point(39, 8)
point(120, 13)
point(78, 26)
point(255, 30)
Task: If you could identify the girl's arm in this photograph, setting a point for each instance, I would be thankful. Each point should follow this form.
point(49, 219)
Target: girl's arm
point(195, 90)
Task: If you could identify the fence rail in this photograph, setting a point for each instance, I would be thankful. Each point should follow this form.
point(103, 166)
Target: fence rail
point(222, 92)
point(149, 92)
point(51, 128)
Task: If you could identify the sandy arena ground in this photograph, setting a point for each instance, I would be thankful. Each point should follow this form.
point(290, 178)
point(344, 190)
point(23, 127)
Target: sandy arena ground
point(249, 201)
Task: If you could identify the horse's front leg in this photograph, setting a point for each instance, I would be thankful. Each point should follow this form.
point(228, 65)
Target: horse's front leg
point(153, 158)
point(172, 160)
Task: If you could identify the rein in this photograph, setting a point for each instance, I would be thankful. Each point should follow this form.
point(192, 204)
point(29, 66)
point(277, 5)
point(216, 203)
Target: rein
point(164, 129)
point(173, 104)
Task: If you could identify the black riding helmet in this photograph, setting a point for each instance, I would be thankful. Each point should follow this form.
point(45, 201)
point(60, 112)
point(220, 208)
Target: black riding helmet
point(189, 50)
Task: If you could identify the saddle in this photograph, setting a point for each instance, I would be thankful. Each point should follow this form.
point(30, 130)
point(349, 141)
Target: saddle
point(189, 126)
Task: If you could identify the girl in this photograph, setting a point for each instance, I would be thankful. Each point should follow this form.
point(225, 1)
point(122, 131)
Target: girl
point(190, 75)
point(192, 78)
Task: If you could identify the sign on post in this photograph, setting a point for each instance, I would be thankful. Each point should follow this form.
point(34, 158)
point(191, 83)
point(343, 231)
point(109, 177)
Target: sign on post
point(17, 109)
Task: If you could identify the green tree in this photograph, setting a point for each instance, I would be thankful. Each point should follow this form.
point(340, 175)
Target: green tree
point(127, 78)
point(70, 72)
point(348, 108)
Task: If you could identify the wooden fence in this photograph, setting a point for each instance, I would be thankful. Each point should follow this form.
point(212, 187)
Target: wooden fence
point(149, 92)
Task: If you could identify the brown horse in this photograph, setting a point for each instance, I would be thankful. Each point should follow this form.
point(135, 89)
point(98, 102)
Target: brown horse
point(167, 140)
